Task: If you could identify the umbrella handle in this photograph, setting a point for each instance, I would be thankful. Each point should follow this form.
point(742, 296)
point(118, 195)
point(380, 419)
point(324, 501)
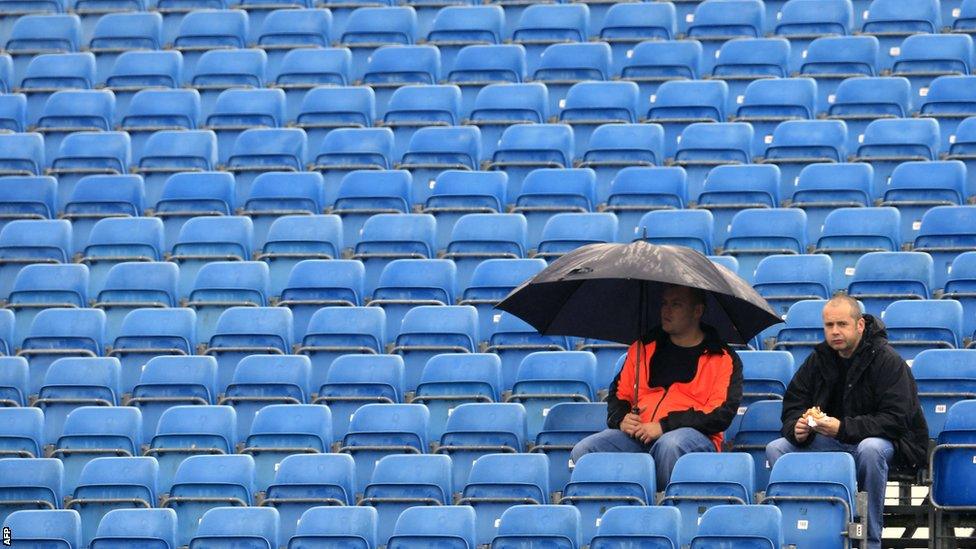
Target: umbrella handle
point(639, 355)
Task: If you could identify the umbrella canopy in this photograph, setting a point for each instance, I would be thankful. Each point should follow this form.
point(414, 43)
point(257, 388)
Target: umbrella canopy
point(595, 292)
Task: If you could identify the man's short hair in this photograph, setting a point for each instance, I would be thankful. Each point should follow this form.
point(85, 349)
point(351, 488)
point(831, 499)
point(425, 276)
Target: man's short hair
point(698, 296)
point(853, 304)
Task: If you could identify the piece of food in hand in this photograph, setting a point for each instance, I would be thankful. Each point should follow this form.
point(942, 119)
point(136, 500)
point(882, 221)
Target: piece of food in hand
point(814, 414)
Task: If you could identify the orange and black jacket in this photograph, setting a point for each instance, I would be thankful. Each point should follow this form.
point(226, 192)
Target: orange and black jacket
point(707, 403)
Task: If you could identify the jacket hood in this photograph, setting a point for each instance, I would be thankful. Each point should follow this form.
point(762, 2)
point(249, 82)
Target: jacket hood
point(875, 335)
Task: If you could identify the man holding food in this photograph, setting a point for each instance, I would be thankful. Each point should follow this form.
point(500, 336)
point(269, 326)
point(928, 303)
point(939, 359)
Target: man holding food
point(855, 394)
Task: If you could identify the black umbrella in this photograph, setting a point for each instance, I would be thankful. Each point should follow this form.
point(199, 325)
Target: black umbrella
point(613, 292)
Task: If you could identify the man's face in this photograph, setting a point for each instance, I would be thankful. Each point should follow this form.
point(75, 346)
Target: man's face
point(679, 312)
point(840, 330)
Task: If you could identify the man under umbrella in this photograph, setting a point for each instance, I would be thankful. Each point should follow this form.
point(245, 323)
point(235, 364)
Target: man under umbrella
point(689, 393)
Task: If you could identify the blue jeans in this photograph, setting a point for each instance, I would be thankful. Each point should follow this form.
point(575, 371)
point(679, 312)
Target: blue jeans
point(872, 457)
point(665, 450)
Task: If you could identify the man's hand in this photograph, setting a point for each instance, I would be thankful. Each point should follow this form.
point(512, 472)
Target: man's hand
point(649, 432)
point(801, 430)
point(828, 427)
point(630, 424)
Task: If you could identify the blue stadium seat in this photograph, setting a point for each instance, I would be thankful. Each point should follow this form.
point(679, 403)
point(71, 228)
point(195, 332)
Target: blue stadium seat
point(804, 21)
point(457, 26)
point(192, 194)
point(946, 231)
point(566, 424)
point(205, 482)
point(88, 153)
point(407, 283)
point(635, 191)
point(512, 340)
point(565, 232)
point(46, 528)
point(414, 107)
point(30, 483)
point(91, 432)
point(545, 379)
point(344, 150)
point(38, 34)
point(387, 237)
point(6, 65)
point(540, 26)
point(702, 480)
point(604, 480)
point(280, 430)
point(336, 331)
point(99, 197)
point(370, 28)
point(951, 488)
point(150, 332)
point(924, 57)
point(168, 381)
point(262, 380)
point(564, 65)
point(881, 278)
point(491, 281)
point(159, 73)
point(742, 61)
point(964, 18)
point(307, 486)
point(759, 425)
point(50, 72)
point(364, 193)
point(450, 380)
point(831, 60)
point(23, 242)
point(44, 286)
point(27, 197)
point(235, 110)
point(74, 382)
point(400, 483)
point(203, 30)
point(498, 482)
point(589, 105)
point(944, 377)
point(286, 30)
point(916, 325)
point(68, 111)
point(961, 149)
point(656, 62)
point(116, 33)
point(204, 239)
point(296, 238)
point(111, 483)
point(247, 330)
point(499, 106)
point(316, 283)
point(352, 526)
point(133, 527)
point(627, 25)
point(768, 103)
point(13, 113)
point(184, 431)
point(850, 232)
point(6, 333)
point(318, 69)
point(57, 333)
point(435, 150)
point(729, 189)
point(220, 285)
point(171, 152)
point(766, 376)
point(425, 526)
point(714, 24)
point(651, 526)
point(691, 228)
point(678, 104)
point(391, 67)
point(959, 285)
point(821, 188)
point(799, 143)
point(860, 101)
point(259, 150)
point(546, 192)
point(276, 194)
point(814, 486)
point(474, 430)
point(14, 378)
point(455, 193)
point(378, 430)
point(428, 330)
point(549, 525)
point(478, 66)
point(756, 525)
point(21, 430)
point(614, 147)
point(785, 279)
point(355, 380)
point(229, 527)
point(757, 233)
point(950, 100)
point(892, 22)
point(523, 148)
point(478, 237)
point(23, 154)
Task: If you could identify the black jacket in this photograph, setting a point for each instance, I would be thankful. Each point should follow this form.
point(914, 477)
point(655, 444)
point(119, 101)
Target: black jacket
point(880, 398)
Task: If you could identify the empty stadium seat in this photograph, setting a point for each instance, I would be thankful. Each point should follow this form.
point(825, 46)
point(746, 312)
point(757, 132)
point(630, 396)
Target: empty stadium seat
point(564, 65)
point(203, 30)
point(743, 61)
point(87, 153)
point(168, 381)
point(768, 103)
point(951, 490)
point(546, 192)
point(691, 228)
point(286, 30)
point(545, 379)
point(916, 325)
point(713, 24)
point(221, 285)
point(412, 107)
point(434, 150)
point(222, 526)
point(116, 33)
point(944, 377)
point(93, 431)
point(392, 67)
point(319, 481)
point(859, 101)
point(147, 333)
point(448, 381)
point(378, 430)
point(478, 66)
point(363, 193)
point(112, 483)
point(356, 525)
point(959, 286)
point(785, 279)
point(13, 113)
point(278, 430)
point(614, 147)
point(498, 106)
point(888, 143)
point(540, 26)
point(700, 481)
point(23, 154)
point(259, 150)
point(296, 238)
point(158, 73)
point(33, 35)
point(400, 483)
point(757, 233)
point(457, 26)
point(355, 380)
point(949, 99)
point(422, 526)
point(431, 329)
point(407, 283)
point(490, 282)
point(184, 431)
point(498, 482)
point(525, 147)
point(648, 525)
point(656, 62)
point(27, 197)
point(831, 60)
point(804, 21)
point(680, 103)
point(881, 278)
point(246, 330)
point(61, 528)
point(604, 480)
point(40, 286)
point(456, 193)
point(387, 237)
point(58, 333)
point(205, 239)
point(68, 111)
point(21, 430)
point(740, 524)
point(188, 195)
point(205, 482)
point(50, 72)
point(946, 231)
point(892, 22)
point(70, 383)
point(344, 150)
point(120, 198)
point(729, 189)
point(760, 424)
point(334, 331)
point(637, 190)
point(24, 242)
point(229, 112)
point(13, 382)
point(316, 283)
point(627, 25)
point(124, 527)
point(821, 188)
point(924, 57)
point(538, 524)
point(849, 233)
point(303, 71)
point(275, 194)
point(261, 380)
point(372, 27)
point(565, 232)
point(30, 483)
point(171, 152)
